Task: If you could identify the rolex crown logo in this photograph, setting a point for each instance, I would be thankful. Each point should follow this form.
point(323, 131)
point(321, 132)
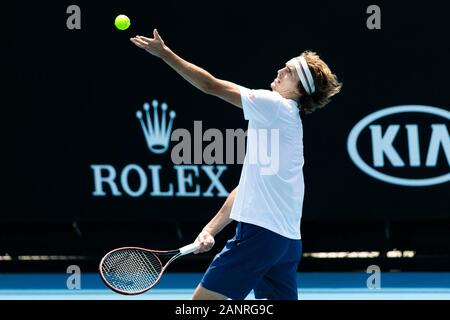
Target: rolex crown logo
point(156, 129)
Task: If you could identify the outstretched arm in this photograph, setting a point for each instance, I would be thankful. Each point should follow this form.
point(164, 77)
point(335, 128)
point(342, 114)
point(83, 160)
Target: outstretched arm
point(198, 77)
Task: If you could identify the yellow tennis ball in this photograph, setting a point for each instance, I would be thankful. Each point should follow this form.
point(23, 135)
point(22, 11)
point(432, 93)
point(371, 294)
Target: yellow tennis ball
point(122, 22)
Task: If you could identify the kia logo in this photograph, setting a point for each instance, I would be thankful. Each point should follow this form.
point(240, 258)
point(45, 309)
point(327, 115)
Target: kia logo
point(385, 143)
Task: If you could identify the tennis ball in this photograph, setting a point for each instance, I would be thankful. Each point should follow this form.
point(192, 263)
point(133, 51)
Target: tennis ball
point(122, 22)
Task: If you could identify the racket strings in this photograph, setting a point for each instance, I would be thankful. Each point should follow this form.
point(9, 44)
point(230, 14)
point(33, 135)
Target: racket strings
point(131, 270)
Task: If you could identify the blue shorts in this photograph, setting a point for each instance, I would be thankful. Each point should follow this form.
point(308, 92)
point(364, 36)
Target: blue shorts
point(259, 259)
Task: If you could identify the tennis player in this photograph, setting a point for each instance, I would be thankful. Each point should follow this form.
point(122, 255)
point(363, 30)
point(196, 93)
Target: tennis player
point(265, 252)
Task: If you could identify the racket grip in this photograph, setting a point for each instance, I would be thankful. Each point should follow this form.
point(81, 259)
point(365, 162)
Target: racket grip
point(189, 248)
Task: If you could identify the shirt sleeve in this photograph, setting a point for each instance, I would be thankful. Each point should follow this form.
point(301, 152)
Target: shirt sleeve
point(261, 106)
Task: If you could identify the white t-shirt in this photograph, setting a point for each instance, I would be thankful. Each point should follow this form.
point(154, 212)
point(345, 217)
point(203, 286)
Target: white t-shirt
point(271, 187)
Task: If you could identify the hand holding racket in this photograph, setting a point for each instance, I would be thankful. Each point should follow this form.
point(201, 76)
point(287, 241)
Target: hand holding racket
point(134, 270)
point(206, 241)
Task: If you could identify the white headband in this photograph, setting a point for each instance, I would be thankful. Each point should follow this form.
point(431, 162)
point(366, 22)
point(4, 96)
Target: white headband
point(304, 74)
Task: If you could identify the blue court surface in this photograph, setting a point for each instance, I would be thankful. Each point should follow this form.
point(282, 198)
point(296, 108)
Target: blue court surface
point(180, 286)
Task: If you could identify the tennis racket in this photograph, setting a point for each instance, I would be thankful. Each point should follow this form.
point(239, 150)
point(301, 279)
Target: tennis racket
point(134, 270)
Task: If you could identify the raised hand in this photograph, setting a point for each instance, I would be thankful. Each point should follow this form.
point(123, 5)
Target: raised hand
point(154, 46)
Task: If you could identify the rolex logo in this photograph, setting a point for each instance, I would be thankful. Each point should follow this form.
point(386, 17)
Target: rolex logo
point(156, 129)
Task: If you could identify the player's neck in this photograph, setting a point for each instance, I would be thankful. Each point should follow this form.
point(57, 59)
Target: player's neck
point(287, 94)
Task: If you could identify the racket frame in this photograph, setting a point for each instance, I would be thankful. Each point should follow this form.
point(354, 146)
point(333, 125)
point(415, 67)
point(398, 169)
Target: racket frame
point(177, 253)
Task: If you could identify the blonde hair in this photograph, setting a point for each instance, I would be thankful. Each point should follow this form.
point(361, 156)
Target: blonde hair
point(327, 84)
